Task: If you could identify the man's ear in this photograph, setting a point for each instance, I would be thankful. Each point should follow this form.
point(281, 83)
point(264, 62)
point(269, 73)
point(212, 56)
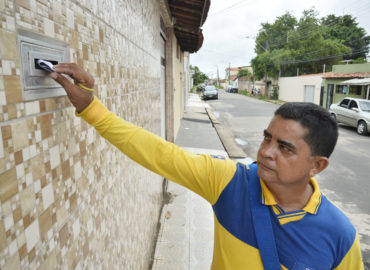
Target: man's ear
point(319, 164)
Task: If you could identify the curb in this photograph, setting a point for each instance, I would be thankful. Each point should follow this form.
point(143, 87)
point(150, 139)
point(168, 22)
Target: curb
point(226, 137)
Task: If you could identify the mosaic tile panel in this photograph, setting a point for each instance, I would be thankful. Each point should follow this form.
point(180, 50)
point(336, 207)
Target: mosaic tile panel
point(68, 199)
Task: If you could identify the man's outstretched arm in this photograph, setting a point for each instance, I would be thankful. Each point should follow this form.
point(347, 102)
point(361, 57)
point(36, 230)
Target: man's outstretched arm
point(200, 173)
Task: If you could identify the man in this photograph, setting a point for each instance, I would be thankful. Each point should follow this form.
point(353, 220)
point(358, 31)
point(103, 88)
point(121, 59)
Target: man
point(309, 231)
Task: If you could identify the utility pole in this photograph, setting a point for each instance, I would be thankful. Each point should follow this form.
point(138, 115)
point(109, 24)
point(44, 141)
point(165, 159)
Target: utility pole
point(218, 77)
point(323, 69)
point(229, 74)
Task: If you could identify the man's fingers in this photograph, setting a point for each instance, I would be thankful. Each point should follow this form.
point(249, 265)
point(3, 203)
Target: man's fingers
point(66, 68)
point(76, 73)
point(63, 81)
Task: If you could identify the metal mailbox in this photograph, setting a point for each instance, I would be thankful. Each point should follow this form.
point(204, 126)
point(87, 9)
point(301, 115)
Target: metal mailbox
point(36, 82)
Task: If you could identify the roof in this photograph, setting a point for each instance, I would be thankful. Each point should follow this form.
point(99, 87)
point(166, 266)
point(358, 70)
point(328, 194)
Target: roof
point(189, 16)
point(365, 81)
point(316, 74)
point(332, 75)
point(238, 68)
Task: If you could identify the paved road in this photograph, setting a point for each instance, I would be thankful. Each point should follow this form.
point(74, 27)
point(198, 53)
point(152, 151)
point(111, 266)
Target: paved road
point(346, 182)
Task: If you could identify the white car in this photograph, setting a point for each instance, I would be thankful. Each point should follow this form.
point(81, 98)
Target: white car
point(210, 92)
point(354, 112)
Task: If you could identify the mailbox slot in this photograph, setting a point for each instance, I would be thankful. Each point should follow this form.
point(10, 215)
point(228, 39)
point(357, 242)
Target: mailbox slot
point(36, 82)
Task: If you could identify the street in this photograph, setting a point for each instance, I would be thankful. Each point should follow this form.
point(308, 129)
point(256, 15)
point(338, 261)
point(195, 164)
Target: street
point(345, 181)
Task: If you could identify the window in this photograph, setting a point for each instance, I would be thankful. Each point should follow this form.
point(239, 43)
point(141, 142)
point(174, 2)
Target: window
point(355, 90)
point(341, 89)
point(344, 103)
point(353, 104)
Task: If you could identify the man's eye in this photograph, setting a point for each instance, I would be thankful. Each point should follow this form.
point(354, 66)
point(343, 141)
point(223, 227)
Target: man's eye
point(266, 138)
point(285, 148)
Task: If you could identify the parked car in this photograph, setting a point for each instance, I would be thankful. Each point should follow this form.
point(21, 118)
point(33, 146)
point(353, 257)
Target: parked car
point(200, 87)
point(354, 112)
point(210, 92)
point(233, 90)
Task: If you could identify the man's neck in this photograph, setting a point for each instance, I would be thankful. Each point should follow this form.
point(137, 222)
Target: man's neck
point(293, 198)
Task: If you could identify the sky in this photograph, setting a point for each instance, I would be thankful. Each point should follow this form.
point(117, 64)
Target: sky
point(231, 27)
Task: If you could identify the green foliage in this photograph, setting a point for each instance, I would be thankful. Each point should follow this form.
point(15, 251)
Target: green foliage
point(346, 30)
point(275, 92)
point(288, 44)
point(244, 73)
point(199, 77)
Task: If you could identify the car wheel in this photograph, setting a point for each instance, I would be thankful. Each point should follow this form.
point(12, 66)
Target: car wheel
point(333, 117)
point(362, 128)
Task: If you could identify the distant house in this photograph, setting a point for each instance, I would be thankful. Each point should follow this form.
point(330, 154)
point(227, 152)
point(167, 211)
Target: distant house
point(340, 83)
point(245, 83)
point(305, 88)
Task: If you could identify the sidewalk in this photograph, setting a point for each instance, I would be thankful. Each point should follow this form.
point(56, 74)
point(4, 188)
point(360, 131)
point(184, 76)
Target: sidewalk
point(185, 238)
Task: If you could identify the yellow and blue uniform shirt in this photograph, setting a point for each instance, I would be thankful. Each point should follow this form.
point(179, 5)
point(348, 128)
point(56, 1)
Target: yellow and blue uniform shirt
point(319, 236)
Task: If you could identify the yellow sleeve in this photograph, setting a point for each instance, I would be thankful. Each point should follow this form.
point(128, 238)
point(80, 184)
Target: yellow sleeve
point(200, 173)
point(353, 259)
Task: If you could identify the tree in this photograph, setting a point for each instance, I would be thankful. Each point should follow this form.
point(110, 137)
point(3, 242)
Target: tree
point(274, 36)
point(288, 45)
point(198, 76)
point(345, 29)
point(244, 73)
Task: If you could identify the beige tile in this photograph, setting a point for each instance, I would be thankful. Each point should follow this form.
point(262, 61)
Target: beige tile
point(13, 263)
point(22, 251)
point(47, 196)
point(19, 131)
point(54, 157)
point(27, 198)
point(8, 50)
point(17, 215)
point(2, 236)
point(66, 172)
point(46, 128)
point(63, 235)
point(12, 111)
point(32, 233)
point(8, 184)
point(6, 131)
point(45, 223)
point(51, 261)
point(1, 146)
point(13, 89)
point(23, 3)
point(38, 169)
point(18, 157)
point(85, 52)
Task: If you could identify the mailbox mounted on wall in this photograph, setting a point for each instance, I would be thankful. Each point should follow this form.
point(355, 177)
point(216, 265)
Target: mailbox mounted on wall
point(36, 82)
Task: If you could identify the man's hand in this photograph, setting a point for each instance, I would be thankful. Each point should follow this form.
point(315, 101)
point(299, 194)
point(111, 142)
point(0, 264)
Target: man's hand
point(79, 97)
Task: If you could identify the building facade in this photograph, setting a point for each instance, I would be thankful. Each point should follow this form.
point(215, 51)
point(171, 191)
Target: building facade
point(68, 199)
point(334, 89)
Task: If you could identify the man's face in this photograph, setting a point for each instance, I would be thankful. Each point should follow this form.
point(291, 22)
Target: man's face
point(284, 157)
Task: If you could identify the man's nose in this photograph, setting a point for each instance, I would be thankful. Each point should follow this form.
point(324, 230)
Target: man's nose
point(268, 151)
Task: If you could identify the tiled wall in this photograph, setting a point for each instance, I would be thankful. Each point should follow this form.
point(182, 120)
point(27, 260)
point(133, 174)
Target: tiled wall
point(68, 199)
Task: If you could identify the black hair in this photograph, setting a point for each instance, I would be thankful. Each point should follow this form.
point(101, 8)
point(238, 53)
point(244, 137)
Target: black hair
point(322, 130)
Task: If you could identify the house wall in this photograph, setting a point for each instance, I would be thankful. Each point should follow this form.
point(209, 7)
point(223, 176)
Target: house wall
point(178, 91)
point(293, 88)
point(351, 68)
point(68, 199)
point(338, 96)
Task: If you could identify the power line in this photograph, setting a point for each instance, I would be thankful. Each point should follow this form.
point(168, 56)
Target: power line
point(292, 62)
point(230, 8)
